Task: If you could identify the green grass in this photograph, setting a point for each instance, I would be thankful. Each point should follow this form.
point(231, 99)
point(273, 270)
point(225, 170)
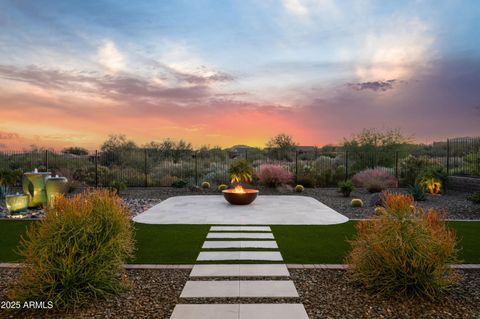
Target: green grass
point(180, 244)
point(325, 244)
point(168, 244)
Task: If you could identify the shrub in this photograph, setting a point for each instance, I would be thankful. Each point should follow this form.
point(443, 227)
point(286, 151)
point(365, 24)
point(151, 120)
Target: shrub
point(472, 162)
point(222, 187)
point(205, 185)
point(356, 202)
point(179, 183)
point(274, 175)
point(240, 171)
point(118, 186)
point(474, 198)
point(405, 252)
point(433, 179)
point(375, 180)
point(299, 188)
point(346, 188)
point(417, 191)
point(77, 252)
point(411, 166)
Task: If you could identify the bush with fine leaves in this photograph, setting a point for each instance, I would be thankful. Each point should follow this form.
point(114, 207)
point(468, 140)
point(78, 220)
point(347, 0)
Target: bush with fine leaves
point(274, 175)
point(404, 252)
point(77, 252)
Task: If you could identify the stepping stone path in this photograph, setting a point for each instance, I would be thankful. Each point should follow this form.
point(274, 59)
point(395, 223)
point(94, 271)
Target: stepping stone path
point(205, 278)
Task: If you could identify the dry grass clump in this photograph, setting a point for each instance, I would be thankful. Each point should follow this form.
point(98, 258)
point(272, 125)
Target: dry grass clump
point(76, 253)
point(404, 252)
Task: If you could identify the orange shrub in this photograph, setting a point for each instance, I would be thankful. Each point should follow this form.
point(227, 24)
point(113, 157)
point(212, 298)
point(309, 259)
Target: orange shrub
point(405, 252)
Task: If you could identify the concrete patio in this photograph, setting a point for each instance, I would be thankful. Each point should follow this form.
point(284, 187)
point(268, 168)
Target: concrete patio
point(266, 210)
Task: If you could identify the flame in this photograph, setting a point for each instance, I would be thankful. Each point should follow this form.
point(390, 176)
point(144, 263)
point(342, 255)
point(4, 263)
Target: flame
point(239, 189)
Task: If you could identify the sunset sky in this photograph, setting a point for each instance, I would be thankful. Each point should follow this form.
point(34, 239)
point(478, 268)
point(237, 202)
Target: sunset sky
point(226, 72)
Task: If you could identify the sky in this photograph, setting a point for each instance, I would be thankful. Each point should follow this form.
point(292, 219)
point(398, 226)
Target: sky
point(226, 72)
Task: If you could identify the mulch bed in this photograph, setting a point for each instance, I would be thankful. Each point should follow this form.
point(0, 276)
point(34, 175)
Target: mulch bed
point(326, 293)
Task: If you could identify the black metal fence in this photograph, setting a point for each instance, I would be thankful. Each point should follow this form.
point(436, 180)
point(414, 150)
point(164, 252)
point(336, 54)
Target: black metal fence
point(312, 167)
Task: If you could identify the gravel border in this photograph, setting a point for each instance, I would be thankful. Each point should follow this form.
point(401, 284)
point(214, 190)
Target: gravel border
point(328, 293)
point(140, 199)
point(454, 202)
point(325, 293)
point(154, 294)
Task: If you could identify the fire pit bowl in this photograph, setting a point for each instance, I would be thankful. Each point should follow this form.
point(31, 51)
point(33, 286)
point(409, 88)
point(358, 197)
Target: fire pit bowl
point(244, 197)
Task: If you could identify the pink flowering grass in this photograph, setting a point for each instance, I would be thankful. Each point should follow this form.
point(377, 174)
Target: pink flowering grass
point(274, 175)
point(374, 179)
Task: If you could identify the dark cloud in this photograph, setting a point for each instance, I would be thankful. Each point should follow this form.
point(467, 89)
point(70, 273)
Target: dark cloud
point(376, 86)
point(441, 102)
point(188, 86)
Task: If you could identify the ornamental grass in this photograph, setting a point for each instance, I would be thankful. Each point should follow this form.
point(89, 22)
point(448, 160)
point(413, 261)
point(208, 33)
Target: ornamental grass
point(77, 252)
point(404, 252)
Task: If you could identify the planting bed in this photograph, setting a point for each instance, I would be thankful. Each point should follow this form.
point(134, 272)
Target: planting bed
point(455, 202)
point(326, 293)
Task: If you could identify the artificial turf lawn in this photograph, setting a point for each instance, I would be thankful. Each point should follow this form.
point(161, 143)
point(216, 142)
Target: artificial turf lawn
point(180, 244)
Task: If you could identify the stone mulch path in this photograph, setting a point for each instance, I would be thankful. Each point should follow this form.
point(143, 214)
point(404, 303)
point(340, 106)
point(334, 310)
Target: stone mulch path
point(239, 291)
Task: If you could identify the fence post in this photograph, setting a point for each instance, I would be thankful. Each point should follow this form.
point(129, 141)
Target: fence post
point(145, 166)
point(448, 156)
point(196, 167)
point(396, 164)
point(46, 160)
point(96, 169)
point(448, 164)
point(296, 166)
point(346, 165)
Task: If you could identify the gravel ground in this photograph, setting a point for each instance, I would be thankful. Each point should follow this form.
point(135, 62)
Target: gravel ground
point(454, 202)
point(154, 294)
point(326, 293)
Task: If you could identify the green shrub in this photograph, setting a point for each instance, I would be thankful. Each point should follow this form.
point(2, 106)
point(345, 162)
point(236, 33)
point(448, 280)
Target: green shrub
point(472, 163)
point(179, 183)
point(118, 186)
point(356, 202)
point(299, 188)
point(77, 252)
point(222, 187)
point(433, 179)
point(435, 172)
point(240, 171)
point(346, 187)
point(205, 185)
point(474, 197)
point(412, 166)
point(404, 252)
point(417, 191)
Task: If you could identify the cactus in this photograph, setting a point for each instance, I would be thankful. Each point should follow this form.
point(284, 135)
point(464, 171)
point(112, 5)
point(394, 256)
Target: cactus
point(356, 202)
point(299, 188)
point(205, 185)
point(222, 187)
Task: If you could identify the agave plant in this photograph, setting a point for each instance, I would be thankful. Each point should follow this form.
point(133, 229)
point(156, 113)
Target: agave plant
point(240, 171)
point(417, 191)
